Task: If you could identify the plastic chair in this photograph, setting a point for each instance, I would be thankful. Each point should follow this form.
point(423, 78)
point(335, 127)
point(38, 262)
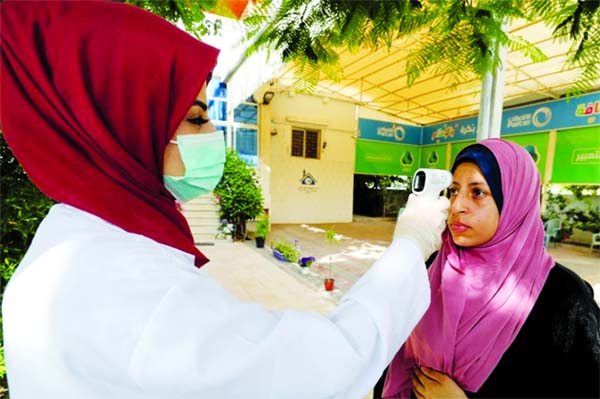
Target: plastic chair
point(595, 241)
point(551, 229)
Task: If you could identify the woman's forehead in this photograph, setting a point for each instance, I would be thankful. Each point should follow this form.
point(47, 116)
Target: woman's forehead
point(468, 168)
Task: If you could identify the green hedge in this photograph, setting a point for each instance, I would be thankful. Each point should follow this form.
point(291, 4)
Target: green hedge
point(239, 194)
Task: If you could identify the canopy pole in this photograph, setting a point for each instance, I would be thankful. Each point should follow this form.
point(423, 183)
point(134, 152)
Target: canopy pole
point(485, 105)
point(492, 95)
point(497, 95)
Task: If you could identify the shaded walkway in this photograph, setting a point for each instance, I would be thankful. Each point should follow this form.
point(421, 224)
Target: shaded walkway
point(362, 242)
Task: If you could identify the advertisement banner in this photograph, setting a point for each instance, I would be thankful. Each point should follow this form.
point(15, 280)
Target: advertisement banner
point(380, 158)
point(537, 146)
point(370, 129)
point(458, 130)
point(576, 112)
point(577, 157)
point(433, 156)
point(553, 115)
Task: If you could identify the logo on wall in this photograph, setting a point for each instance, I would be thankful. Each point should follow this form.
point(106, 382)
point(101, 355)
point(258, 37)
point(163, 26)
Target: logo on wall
point(397, 132)
point(588, 110)
point(433, 158)
point(586, 156)
point(467, 129)
point(308, 183)
point(541, 117)
point(407, 159)
point(443, 132)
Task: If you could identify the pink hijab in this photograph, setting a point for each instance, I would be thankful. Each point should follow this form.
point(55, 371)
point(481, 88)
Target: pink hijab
point(481, 296)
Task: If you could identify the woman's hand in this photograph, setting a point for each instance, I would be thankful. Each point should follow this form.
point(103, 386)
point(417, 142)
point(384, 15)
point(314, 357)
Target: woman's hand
point(428, 383)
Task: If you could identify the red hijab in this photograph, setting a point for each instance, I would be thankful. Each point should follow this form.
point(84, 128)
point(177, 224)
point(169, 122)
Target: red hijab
point(91, 93)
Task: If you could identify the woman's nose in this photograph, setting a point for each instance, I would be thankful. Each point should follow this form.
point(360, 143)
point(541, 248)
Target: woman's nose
point(458, 204)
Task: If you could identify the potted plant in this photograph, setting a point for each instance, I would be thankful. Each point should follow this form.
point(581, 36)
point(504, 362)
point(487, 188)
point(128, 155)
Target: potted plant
point(330, 238)
point(262, 229)
point(285, 251)
point(239, 194)
point(305, 262)
point(225, 230)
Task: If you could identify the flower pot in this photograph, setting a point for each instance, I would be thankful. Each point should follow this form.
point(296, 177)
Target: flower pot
point(260, 242)
point(329, 284)
point(279, 255)
point(304, 270)
point(306, 261)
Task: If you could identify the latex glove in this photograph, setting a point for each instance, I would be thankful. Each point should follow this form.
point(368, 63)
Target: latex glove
point(423, 221)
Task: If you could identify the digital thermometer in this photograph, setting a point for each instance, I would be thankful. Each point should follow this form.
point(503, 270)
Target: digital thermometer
point(431, 182)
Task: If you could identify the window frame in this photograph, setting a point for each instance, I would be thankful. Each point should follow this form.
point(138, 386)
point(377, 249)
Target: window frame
point(305, 131)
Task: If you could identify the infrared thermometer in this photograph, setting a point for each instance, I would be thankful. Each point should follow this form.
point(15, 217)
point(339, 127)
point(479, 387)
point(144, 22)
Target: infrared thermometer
point(430, 182)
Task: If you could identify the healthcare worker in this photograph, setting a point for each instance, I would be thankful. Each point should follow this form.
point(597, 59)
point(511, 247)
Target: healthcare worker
point(104, 105)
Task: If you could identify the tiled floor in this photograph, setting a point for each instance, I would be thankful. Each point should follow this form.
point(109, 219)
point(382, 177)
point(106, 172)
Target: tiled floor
point(254, 274)
point(363, 242)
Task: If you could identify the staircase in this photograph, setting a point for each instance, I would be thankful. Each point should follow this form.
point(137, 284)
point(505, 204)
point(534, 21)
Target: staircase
point(202, 215)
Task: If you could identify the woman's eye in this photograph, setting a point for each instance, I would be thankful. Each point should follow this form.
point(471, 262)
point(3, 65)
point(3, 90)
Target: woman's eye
point(452, 191)
point(198, 120)
point(478, 193)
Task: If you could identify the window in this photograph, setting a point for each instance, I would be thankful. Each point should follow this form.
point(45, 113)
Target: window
point(246, 113)
point(245, 145)
point(217, 100)
point(305, 143)
point(239, 125)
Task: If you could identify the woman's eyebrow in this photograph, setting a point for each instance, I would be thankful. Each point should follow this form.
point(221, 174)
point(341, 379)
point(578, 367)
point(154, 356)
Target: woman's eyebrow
point(200, 104)
point(477, 183)
point(474, 183)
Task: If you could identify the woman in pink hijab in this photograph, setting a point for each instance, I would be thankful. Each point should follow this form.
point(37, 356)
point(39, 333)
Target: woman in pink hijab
point(105, 106)
point(505, 319)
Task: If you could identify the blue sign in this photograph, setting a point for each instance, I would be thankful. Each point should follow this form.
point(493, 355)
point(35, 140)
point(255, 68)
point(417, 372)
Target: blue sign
point(551, 115)
point(457, 130)
point(370, 129)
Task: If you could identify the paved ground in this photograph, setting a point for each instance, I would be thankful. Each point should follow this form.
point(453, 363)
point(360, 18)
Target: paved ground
point(254, 274)
point(362, 242)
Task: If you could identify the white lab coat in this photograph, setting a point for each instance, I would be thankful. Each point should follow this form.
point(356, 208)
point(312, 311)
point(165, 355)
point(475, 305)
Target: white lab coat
point(97, 312)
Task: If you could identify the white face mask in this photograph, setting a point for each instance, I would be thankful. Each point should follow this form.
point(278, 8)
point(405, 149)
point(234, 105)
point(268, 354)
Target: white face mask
point(203, 157)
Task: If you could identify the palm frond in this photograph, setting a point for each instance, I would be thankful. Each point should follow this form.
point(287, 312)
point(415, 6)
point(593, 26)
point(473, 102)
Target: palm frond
point(577, 22)
point(459, 37)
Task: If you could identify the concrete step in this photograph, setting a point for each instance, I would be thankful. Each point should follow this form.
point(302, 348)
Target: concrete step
point(205, 228)
point(202, 214)
point(208, 238)
point(202, 219)
point(200, 206)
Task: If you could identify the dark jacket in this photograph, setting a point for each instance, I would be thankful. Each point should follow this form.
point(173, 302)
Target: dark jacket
point(557, 351)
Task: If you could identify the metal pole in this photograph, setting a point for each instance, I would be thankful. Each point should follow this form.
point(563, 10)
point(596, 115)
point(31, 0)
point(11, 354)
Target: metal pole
point(483, 127)
point(497, 94)
point(492, 95)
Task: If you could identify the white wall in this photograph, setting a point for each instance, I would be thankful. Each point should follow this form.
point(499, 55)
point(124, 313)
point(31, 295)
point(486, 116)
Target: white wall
point(330, 200)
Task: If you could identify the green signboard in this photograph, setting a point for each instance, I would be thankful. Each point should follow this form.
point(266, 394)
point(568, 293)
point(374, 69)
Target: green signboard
point(537, 145)
point(577, 156)
point(381, 158)
point(433, 156)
